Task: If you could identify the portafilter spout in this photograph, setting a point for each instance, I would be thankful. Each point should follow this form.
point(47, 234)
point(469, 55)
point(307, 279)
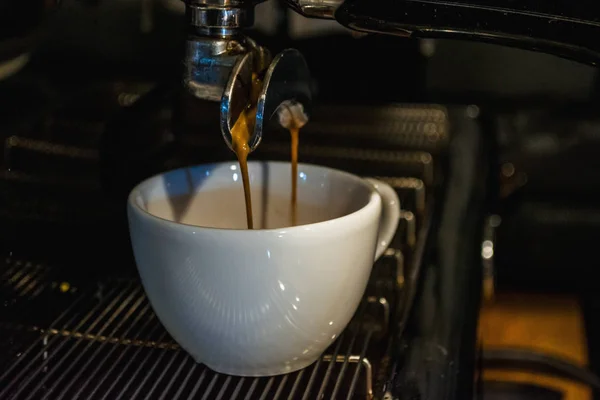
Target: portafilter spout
point(285, 95)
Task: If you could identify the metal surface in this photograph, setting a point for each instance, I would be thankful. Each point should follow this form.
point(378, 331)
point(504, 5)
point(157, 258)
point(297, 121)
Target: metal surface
point(390, 127)
point(215, 45)
point(219, 21)
point(208, 64)
point(219, 18)
point(566, 28)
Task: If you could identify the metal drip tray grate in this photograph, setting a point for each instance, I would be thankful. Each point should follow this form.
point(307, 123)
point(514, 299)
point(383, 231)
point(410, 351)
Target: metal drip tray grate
point(106, 343)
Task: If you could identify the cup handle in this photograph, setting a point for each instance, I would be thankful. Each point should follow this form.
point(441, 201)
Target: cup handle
point(390, 214)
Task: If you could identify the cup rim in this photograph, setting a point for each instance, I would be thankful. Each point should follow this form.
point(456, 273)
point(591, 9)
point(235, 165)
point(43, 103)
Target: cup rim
point(373, 203)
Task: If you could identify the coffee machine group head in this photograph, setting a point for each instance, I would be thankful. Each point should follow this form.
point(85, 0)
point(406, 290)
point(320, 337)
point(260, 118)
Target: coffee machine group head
point(220, 61)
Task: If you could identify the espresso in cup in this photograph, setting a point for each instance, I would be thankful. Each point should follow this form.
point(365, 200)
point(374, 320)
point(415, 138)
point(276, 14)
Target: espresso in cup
point(264, 301)
point(206, 210)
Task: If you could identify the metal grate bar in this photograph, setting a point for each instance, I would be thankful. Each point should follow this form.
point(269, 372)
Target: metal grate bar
point(148, 374)
point(197, 385)
point(399, 258)
point(340, 378)
point(409, 183)
point(47, 343)
point(33, 345)
point(366, 364)
point(162, 374)
point(101, 346)
point(296, 384)
point(20, 278)
point(32, 278)
point(107, 373)
point(267, 388)
point(185, 381)
point(382, 301)
point(174, 377)
point(411, 225)
point(330, 368)
point(311, 380)
point(40, 288)
point(224, 388)
point(30, 281)
point(110, 351)
point(251, 390)
point(16, 277)
point(27, 296)
point(238, 388)
point(280, 388)
point(139, 367)
point(48, 148)
point(89, 330)
point(210, 387)
point(357, 370)
point(133, 357)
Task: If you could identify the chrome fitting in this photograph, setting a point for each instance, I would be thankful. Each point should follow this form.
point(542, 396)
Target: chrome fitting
point(219, 18)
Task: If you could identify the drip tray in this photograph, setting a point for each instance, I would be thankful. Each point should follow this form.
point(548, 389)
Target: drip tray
point(102, 341)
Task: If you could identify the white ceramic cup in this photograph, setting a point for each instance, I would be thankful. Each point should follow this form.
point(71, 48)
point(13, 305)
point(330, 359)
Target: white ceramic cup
point(264, 301)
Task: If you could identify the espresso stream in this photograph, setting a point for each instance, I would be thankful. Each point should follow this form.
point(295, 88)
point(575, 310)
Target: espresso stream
point(240, 136)
point(294, 132)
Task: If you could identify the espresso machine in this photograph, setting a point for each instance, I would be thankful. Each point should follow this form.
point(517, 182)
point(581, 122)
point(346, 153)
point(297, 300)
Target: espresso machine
point(74, 320)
